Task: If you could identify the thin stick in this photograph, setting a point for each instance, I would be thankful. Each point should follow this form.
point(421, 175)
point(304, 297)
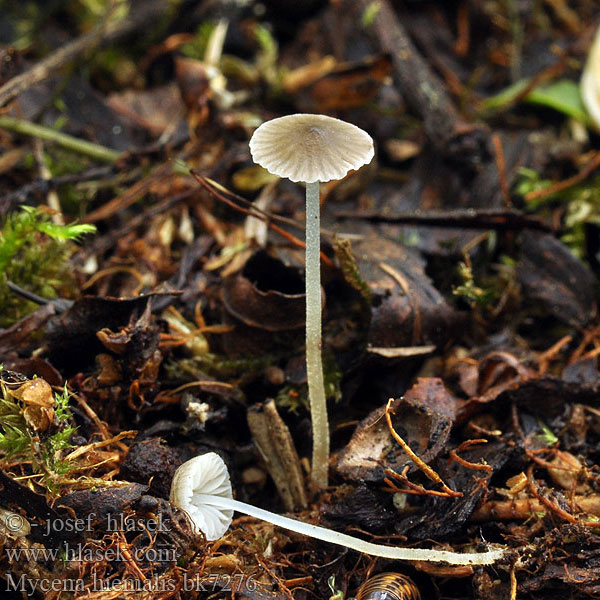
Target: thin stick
point(95, 445)
point(84, 147)
point(501, 165)
point(106, 32)
point(553, 507)
point(131, 195)
point(255, 212)
point(567, 183)
point(421, 464)
point(513, 584)
point(525, 508)
point(470, 218)
point(411, 488)
point(418, 84)
point(465, 463)
point(461, 46)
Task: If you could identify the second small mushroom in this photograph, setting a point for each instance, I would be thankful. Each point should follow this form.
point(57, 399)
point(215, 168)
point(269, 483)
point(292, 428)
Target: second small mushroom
point(202, 488)
point(312, 149)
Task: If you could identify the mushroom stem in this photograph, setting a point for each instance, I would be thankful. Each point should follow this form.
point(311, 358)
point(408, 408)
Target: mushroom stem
point(341, 539)
point(314, 366)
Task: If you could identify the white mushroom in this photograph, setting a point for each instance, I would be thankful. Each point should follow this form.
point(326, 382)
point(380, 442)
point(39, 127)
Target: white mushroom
point(590, 82)
point(201, 487)
point(201, 478)
point(311, 149)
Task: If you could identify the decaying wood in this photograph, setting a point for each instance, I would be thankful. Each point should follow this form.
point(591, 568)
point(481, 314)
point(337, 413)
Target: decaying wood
point(422, 89)
point(276, 446)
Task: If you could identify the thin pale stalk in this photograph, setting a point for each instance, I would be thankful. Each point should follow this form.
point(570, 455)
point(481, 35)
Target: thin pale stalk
point(348, 541)
point(69, 142)
point(314, 366)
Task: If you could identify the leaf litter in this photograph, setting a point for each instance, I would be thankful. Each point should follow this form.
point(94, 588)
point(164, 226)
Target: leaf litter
point(152, 297)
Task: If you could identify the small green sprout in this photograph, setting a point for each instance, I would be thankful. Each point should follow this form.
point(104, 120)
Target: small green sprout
point(335, 593)
point(470, 291)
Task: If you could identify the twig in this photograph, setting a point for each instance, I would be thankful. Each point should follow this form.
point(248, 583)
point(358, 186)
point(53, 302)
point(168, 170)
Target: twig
point(465, 463)
point(58, 303)
point(103, 34)
point(501, 164)
point(267, 214)
point(589, 336)
point(566, 15)
point(91, 413)
point(95, 445)
point(252, 207)
point(422, 89)
point(130, 561)
point(131, 195)
point(421, 464)
point(411, 488)
point(468, 218)
point(567, 183)
point(513, 584)
point(461, 46)
point(567, 468)
point(547, 356)
point(563, 514)
point(84, 147)
point(170, 396)
point(419, 86)
point(256, 213)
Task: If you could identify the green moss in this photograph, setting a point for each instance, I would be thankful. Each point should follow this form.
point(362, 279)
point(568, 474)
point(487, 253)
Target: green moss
point(343, 252)
point(293, 397)
point(33, 254)
point(44, 451)
point(581, 205)
point(473, 293)
point(237, 371)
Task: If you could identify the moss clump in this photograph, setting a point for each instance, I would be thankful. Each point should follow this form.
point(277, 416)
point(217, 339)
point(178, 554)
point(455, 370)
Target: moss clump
point(34, 254)
point(295, 396)
point(23, 438)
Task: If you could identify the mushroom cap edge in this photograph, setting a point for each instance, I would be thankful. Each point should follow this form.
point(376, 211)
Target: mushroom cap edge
point(307, 147)
point(203, 474)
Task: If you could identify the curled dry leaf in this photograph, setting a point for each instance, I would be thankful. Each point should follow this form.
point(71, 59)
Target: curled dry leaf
point(423, 418)
point(551, 276)
point(567, 472)
point(266, 295)
point(38, 401)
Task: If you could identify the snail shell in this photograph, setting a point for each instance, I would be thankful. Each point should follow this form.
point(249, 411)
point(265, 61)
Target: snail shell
point(388, 586)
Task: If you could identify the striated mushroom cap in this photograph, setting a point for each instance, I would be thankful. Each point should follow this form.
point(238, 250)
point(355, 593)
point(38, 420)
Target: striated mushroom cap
point(310, 148)
point(590, 82)
point(194, 482)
